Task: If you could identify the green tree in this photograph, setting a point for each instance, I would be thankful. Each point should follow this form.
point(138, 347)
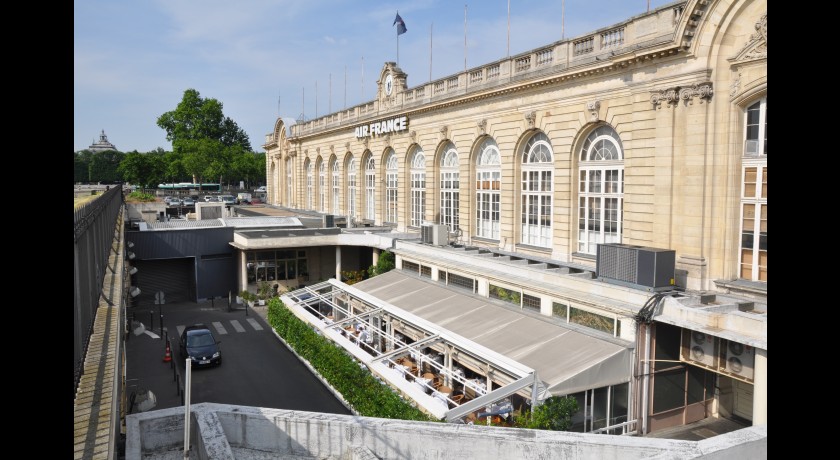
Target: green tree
point(103, 166)
point(555, 413)
point(207, 140)
point(384, 264)
point(81, 165)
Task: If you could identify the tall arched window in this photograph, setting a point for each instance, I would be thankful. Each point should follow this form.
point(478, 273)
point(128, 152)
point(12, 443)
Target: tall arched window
point(322, 184)
point(600, 189)
point(488, 189)
point(336, 186)
point(753, 255)
point(418, 187)
point(391, 171)
point(351, 187)
point(537, 168)
point(309, 180)
point(449, 187)
point(370, 188)
point(289, 187)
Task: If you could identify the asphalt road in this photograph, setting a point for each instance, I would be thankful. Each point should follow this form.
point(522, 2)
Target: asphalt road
point(256, 370)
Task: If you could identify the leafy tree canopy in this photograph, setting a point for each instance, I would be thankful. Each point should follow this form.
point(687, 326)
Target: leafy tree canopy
point(196, 118)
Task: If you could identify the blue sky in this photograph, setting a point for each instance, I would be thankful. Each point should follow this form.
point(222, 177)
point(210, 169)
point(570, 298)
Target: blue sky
point(133, 60)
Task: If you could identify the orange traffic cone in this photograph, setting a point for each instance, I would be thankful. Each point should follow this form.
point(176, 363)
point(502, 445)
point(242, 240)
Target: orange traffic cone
point(168, 356)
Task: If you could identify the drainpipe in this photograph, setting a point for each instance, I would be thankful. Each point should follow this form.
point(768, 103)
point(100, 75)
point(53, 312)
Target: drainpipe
point(645, 380)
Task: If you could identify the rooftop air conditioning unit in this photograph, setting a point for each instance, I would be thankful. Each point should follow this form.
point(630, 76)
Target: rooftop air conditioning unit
point(329, 221)
point(426, 234)
point(650, 269)
point(737, 360)
point(701, 348)
point(440, 235)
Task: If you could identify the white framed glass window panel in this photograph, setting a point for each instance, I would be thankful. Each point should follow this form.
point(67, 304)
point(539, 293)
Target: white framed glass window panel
point(336, 187)
point(449, 187)
point(753, 244)
point(370, 188)
point(391, 196)
point(418, 187)
point(289, 187)
point(537, 191)
point(488, 190)
point(322, 185)
point(755, 129)
point(351, 187)
point(309, 180)
point(600, 190)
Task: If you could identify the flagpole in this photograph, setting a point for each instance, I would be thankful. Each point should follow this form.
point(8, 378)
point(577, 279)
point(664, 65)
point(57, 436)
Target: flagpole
point(329, 104)
point(465, 37)
point(316, 98)
point(363, 79)
point(398, 41)
point(508, 43)
point(431, 26)
point(563, 20)
point(345, 86)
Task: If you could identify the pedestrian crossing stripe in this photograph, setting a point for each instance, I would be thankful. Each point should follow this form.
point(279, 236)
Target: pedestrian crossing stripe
point(220, 328)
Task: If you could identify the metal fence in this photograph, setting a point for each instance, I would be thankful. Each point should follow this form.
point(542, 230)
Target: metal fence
point(94, 226)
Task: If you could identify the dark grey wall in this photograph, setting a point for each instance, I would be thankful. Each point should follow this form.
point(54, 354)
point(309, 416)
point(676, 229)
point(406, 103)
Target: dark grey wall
point(207, 248)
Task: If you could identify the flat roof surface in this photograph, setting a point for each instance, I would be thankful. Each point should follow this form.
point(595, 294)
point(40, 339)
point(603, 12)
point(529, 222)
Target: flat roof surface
point(565, 359)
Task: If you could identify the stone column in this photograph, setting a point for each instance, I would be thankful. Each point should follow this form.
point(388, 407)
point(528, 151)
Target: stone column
point(376, 252)
point(760, 388)
point(243, 272)
point(338, 263)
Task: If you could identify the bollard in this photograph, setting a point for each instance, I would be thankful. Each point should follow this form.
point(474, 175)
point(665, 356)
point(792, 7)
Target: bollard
point(151, 320)
point(161, 325)
point(213, 302)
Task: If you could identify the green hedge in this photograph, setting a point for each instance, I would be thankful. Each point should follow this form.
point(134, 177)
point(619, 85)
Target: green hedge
point(357, 385)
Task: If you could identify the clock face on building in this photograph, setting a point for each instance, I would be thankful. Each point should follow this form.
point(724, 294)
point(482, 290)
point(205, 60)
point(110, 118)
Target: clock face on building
point(389, 84)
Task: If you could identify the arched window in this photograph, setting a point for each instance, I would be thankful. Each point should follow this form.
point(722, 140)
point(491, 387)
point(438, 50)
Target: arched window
point(309, 180)
point(537, 168)
point(600, 190)
point(753, 255)
point(449, 187)
point(418, 187)
point(336, 186)
point(391, 171)
point(351, 187)
point(289, 188)
point(322, 185)
point(488, 189)
point(370, 188)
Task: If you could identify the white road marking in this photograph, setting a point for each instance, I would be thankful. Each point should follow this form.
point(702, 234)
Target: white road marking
point(180, 329)
point(237, 326)
point(254, 324)
point(219, 328)
point(152, 334)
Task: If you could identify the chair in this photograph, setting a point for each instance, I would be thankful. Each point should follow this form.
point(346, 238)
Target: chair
point(457, 398)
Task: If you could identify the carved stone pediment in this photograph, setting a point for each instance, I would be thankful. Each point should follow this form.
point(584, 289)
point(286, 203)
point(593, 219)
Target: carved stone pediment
point(756, 46)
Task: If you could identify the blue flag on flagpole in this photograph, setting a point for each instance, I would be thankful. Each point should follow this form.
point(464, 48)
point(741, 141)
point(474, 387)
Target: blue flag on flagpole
point(398, 21)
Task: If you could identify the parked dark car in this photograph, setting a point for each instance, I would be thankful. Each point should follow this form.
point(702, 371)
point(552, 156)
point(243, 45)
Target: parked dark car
point(198, 343)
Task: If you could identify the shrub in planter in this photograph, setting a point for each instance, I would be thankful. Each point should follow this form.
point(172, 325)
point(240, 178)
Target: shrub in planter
point(357, 386)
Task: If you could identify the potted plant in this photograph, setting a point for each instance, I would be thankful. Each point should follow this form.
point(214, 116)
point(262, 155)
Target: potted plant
point(264, 292)
point(248, 297)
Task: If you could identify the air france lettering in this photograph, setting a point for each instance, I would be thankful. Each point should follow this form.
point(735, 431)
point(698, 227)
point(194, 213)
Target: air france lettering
point(378, 128)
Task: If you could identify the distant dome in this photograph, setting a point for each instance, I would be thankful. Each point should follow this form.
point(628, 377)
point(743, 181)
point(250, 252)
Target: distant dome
point(102, 145)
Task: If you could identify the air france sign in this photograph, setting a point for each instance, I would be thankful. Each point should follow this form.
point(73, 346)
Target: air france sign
point(378, 128)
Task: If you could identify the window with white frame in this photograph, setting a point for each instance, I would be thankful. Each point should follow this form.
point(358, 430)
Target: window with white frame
point(418, 187)
point(391, 171)
point(289, 187)
point(488, 190)
point(449, 187)
point(309, 180)
point(537, 168)
point(753, 254)
point(336, 186)
point(322, 185)
point(600, 190)
point(370, 188)
point(351, 187)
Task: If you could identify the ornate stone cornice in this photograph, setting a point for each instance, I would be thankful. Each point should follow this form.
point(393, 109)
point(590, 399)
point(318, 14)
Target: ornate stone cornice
point(671, 96)
point(593, 107)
